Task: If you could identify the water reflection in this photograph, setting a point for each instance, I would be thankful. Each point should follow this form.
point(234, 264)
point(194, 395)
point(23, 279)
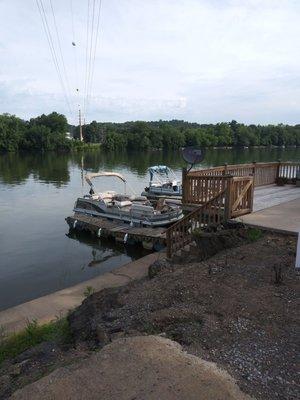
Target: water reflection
point(15, 168)
point(102, 249)
point(55, 168)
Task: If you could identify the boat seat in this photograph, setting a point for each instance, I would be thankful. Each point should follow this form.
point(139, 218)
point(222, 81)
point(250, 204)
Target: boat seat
point(107, 195)
point(138, 198)
point(124, 203)
point(141, 209)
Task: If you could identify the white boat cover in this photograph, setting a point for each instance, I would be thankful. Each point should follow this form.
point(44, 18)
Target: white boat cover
point(90, 176)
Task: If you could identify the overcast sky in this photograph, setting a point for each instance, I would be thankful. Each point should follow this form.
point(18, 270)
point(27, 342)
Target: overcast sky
point(197, 60)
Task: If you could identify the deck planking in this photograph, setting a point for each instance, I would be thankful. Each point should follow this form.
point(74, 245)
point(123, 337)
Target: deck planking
point(273, 195)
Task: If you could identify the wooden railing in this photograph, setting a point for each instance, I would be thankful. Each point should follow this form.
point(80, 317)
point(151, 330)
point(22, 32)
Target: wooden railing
point(263, 173)
point(198, 189)
point(222, 193)
point(210, 213)
point(288, 170)
point(240, 196)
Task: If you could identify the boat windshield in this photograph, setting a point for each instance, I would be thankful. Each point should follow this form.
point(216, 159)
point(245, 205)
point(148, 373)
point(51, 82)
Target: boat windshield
point(162, 174)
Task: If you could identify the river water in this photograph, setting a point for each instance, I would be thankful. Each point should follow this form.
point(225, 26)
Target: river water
point(37, 191)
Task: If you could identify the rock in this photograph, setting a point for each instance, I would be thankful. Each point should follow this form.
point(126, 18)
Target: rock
point(155, 268)
point(102, 336)
point(210, 243)
point(84, 321)
point(142, 367)
point(5, 382)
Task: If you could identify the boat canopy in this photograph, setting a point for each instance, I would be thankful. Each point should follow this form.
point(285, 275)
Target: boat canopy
point(89, 177)
point(158, 169)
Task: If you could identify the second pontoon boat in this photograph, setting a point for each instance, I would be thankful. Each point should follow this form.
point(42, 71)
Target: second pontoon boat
point(163, 182)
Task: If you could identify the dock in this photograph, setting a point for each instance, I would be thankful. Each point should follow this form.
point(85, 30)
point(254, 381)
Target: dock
point(210, 198)
point(266, 195)
point(149, 238)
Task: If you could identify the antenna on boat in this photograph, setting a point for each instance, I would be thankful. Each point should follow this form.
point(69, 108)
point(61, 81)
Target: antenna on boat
point(193, 155)
point(80, 126)
point(82, 169)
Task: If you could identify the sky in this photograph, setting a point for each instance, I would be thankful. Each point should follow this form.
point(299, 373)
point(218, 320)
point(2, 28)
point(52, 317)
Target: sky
point(203, 61)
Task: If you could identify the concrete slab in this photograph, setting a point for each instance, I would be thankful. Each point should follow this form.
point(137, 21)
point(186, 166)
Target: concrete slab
point(272, 195)
point(284, 217)
point(47, 308)
point(142, 367)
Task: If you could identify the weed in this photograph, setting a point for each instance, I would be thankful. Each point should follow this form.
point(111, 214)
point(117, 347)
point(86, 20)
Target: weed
point(253, 234)
point(89, 290)
point(278, 277)
point(33, 334)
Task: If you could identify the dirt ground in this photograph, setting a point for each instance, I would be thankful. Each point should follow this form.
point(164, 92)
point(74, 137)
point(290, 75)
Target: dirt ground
point(228, 309)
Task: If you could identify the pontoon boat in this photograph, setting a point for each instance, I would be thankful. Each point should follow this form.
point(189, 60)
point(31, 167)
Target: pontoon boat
point(163, 182)
point(130, 209)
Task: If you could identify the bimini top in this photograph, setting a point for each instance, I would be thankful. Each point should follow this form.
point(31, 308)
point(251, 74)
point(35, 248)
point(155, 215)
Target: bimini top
point(159, 169)
point(89, 177)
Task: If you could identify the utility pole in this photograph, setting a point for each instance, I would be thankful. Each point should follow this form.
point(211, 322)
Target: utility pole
point(80, 127)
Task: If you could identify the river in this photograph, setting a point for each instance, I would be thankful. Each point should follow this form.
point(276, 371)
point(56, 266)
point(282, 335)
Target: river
point(37, 254)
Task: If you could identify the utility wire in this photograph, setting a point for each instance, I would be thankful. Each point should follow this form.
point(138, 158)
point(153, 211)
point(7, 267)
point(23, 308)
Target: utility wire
point(86, 56)
point(90, 56)
point(52, 49)
point(74, 44)
point(95, 49)
point(60, 50)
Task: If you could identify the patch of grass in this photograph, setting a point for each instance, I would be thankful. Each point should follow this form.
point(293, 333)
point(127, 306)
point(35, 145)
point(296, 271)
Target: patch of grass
point(150, 328)
point(12, 345)
point(88, 291)
point(253, 234)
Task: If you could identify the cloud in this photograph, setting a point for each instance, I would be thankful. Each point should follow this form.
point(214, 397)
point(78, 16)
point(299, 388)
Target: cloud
point(199, 60)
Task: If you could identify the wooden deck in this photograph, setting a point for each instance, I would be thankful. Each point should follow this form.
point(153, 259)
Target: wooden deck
point(227, 192)
point(149, 238)
point(273, 195)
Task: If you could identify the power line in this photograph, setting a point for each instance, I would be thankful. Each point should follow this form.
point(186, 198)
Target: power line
point(60, 50)
point(95, 48)
point(90, 55)
point(52, 49)
point(86, 56)
point(74, 44)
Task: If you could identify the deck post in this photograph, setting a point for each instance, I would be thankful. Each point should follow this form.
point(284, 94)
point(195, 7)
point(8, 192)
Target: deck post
point(253, 170)
point(184, 186)
point(251, 196)
point(225, 169)
point(228, 198)
point(278, 170)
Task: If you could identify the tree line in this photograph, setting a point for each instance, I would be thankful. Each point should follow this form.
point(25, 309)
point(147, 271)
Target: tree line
point(45, 132)
point(175, 134)
point(48, 132)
